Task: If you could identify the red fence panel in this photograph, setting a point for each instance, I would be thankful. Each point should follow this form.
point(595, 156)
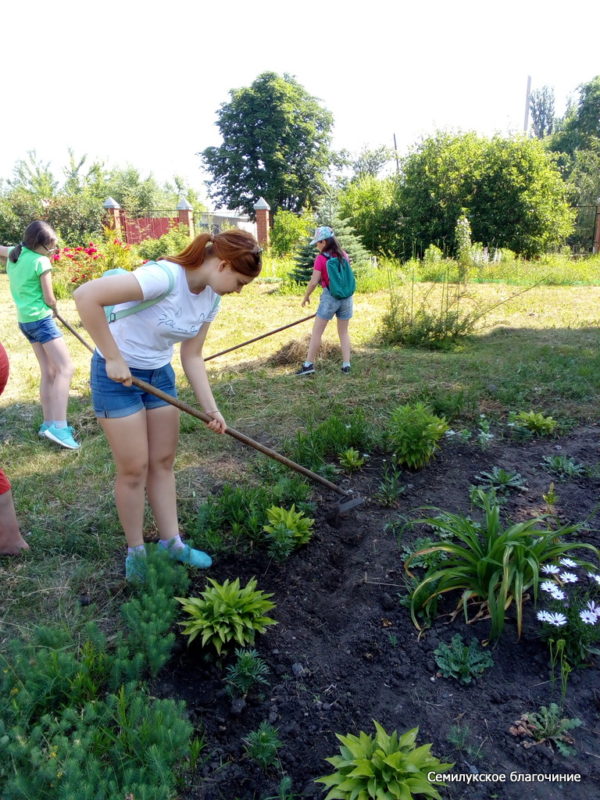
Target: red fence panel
point(136, 230)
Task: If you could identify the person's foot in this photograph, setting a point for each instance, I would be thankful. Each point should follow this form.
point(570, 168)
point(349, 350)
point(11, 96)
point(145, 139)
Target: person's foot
point(62, 436)
point(346, 369)
point(187, 555)
point(305, 370)
point(13, 547)
point(135, 568)
point(42, 430)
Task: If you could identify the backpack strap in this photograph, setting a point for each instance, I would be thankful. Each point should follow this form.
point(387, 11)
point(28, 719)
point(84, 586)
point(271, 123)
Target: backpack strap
point(126, 312)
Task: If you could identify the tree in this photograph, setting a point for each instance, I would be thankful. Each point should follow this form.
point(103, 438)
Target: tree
point(371, 207)
point(276, 141)
point(541, 105)
point(369, 163)
point(510, 190)
point(580, 127)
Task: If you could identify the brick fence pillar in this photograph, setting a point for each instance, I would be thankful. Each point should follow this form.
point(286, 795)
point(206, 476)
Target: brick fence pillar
point(185, 212)
point(113, 214)
point(263, 223)
point(596, 248)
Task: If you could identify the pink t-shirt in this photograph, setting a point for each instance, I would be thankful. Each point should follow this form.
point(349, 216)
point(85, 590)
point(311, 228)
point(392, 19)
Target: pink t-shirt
point(321, 266)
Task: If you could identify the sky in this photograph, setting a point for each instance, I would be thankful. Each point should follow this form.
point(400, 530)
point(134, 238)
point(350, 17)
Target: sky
point(140, 83)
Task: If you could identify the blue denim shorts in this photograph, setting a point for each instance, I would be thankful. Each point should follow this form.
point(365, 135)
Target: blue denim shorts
point(41, 331)
point(111, 399)
point(330, 306)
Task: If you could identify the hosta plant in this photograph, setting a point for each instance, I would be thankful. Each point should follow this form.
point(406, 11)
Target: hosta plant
point(287, 530)
point(490, 565)
point(226, 613)
point(533, 423)
point(414, 434)
point(351, 460)
point(563, 466)
point(382, 767)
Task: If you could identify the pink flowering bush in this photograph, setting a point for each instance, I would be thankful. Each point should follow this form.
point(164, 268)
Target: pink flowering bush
point(73, 266)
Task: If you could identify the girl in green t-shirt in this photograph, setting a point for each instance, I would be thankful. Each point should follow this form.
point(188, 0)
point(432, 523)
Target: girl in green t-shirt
point(29, 274)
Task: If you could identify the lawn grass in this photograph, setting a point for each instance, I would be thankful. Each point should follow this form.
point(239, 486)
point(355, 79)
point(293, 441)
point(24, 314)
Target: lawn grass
point(538, 350)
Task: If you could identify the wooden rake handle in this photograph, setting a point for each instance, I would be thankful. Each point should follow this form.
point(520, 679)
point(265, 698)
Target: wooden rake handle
point(241, 437)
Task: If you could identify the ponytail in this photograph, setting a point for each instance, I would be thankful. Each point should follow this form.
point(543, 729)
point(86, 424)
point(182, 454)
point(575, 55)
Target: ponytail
point(333, 247)
point(238, 248)
point(37, 234)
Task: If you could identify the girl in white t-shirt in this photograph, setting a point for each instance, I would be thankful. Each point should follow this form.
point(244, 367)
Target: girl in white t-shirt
point(142, 430)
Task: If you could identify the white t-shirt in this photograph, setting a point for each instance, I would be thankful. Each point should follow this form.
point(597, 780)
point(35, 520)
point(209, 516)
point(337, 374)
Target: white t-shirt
point(146, 338)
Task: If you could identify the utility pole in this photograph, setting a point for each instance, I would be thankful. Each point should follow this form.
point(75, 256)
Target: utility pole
point(527, 98)
point(396, 152)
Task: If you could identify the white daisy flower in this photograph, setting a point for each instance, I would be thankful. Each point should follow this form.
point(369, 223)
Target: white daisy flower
point(568, 577)
point(548, 586)
point(556, 619)
point(544, 616)
point(558, 594)
point(594, 577)
point(568, 562)
point(550, 569)
point(588, 617)
point(594, 608)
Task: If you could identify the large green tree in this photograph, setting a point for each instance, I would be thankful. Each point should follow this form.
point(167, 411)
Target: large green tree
point(509, 188)
point(580, 127)
point(276, 145)
point(541, 106)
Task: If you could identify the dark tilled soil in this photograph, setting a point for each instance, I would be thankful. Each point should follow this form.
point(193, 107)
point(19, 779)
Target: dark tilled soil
point(345, 651)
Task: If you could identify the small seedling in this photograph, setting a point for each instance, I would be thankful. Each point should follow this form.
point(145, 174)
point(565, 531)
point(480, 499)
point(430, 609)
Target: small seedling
point(563, 466)
point(484, 432)
point(287, 530)
point(351, 460)
point(248, 670)
point(460, 661)
point(550, 497)
point(420, 557)
point(390, 488)
point(547, 725)
point(501, 480)
point(262, 745)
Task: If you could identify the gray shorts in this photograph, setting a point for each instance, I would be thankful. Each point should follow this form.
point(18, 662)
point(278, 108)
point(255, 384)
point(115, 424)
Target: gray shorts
point(330, 306)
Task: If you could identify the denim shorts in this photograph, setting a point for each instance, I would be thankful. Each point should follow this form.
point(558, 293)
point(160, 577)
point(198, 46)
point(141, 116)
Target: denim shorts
point(112, 399)
point(41, 330)
point(330, 306)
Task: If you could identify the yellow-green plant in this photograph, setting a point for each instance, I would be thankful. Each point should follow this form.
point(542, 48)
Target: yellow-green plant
point(534, 423)
point(383, 767)
point(226, 613)
point(414, 433)
point(351, 459)
point(493, 567)
point(287, 529)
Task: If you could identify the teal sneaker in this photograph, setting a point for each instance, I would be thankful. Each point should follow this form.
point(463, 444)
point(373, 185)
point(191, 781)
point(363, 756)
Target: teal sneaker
point(135, 568)
point(62, 436)
point(42, 430)
point(187, 555)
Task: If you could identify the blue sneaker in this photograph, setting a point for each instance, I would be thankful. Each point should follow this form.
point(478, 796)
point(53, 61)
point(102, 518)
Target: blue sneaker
point(42, 430)
point(62, 436)
point(187, 555)
point(135, 568)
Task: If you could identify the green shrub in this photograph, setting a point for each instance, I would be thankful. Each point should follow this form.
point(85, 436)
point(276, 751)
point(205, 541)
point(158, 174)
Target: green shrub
point(287, 530)
point(491, 566)
point(384, 766)
point(501, 480)
point(533, 423)
point(413, 433)
point(171, 243)
point(225, 613)
point(563, 466)
point(460, 661)
point(289, 230)
point(351, 460)
point(332, 437)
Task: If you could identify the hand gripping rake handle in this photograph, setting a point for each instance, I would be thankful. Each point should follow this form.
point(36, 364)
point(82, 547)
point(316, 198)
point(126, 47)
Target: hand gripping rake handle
point(241, 437)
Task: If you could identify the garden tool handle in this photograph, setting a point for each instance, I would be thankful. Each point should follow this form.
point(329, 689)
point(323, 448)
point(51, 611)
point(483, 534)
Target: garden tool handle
point(241, 437)
point(256, 338)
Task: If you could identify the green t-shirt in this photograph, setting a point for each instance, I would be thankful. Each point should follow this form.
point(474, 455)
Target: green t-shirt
point(25, 286)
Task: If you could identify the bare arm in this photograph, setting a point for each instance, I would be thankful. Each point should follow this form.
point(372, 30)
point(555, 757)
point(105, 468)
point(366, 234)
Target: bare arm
point(195, 370)
point(4, 251)
point(90, 299)
point(47, 290)
point(315, 280)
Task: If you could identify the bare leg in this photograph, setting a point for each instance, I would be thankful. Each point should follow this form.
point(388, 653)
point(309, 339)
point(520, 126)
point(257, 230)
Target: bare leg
point(163, 434)
point(342, 326)
point(128, 440)
point(56, 370)
point(11, 541)
point(319, 326)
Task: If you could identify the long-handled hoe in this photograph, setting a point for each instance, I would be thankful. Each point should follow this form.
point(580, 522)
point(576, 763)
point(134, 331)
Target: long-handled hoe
point(340, 509)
